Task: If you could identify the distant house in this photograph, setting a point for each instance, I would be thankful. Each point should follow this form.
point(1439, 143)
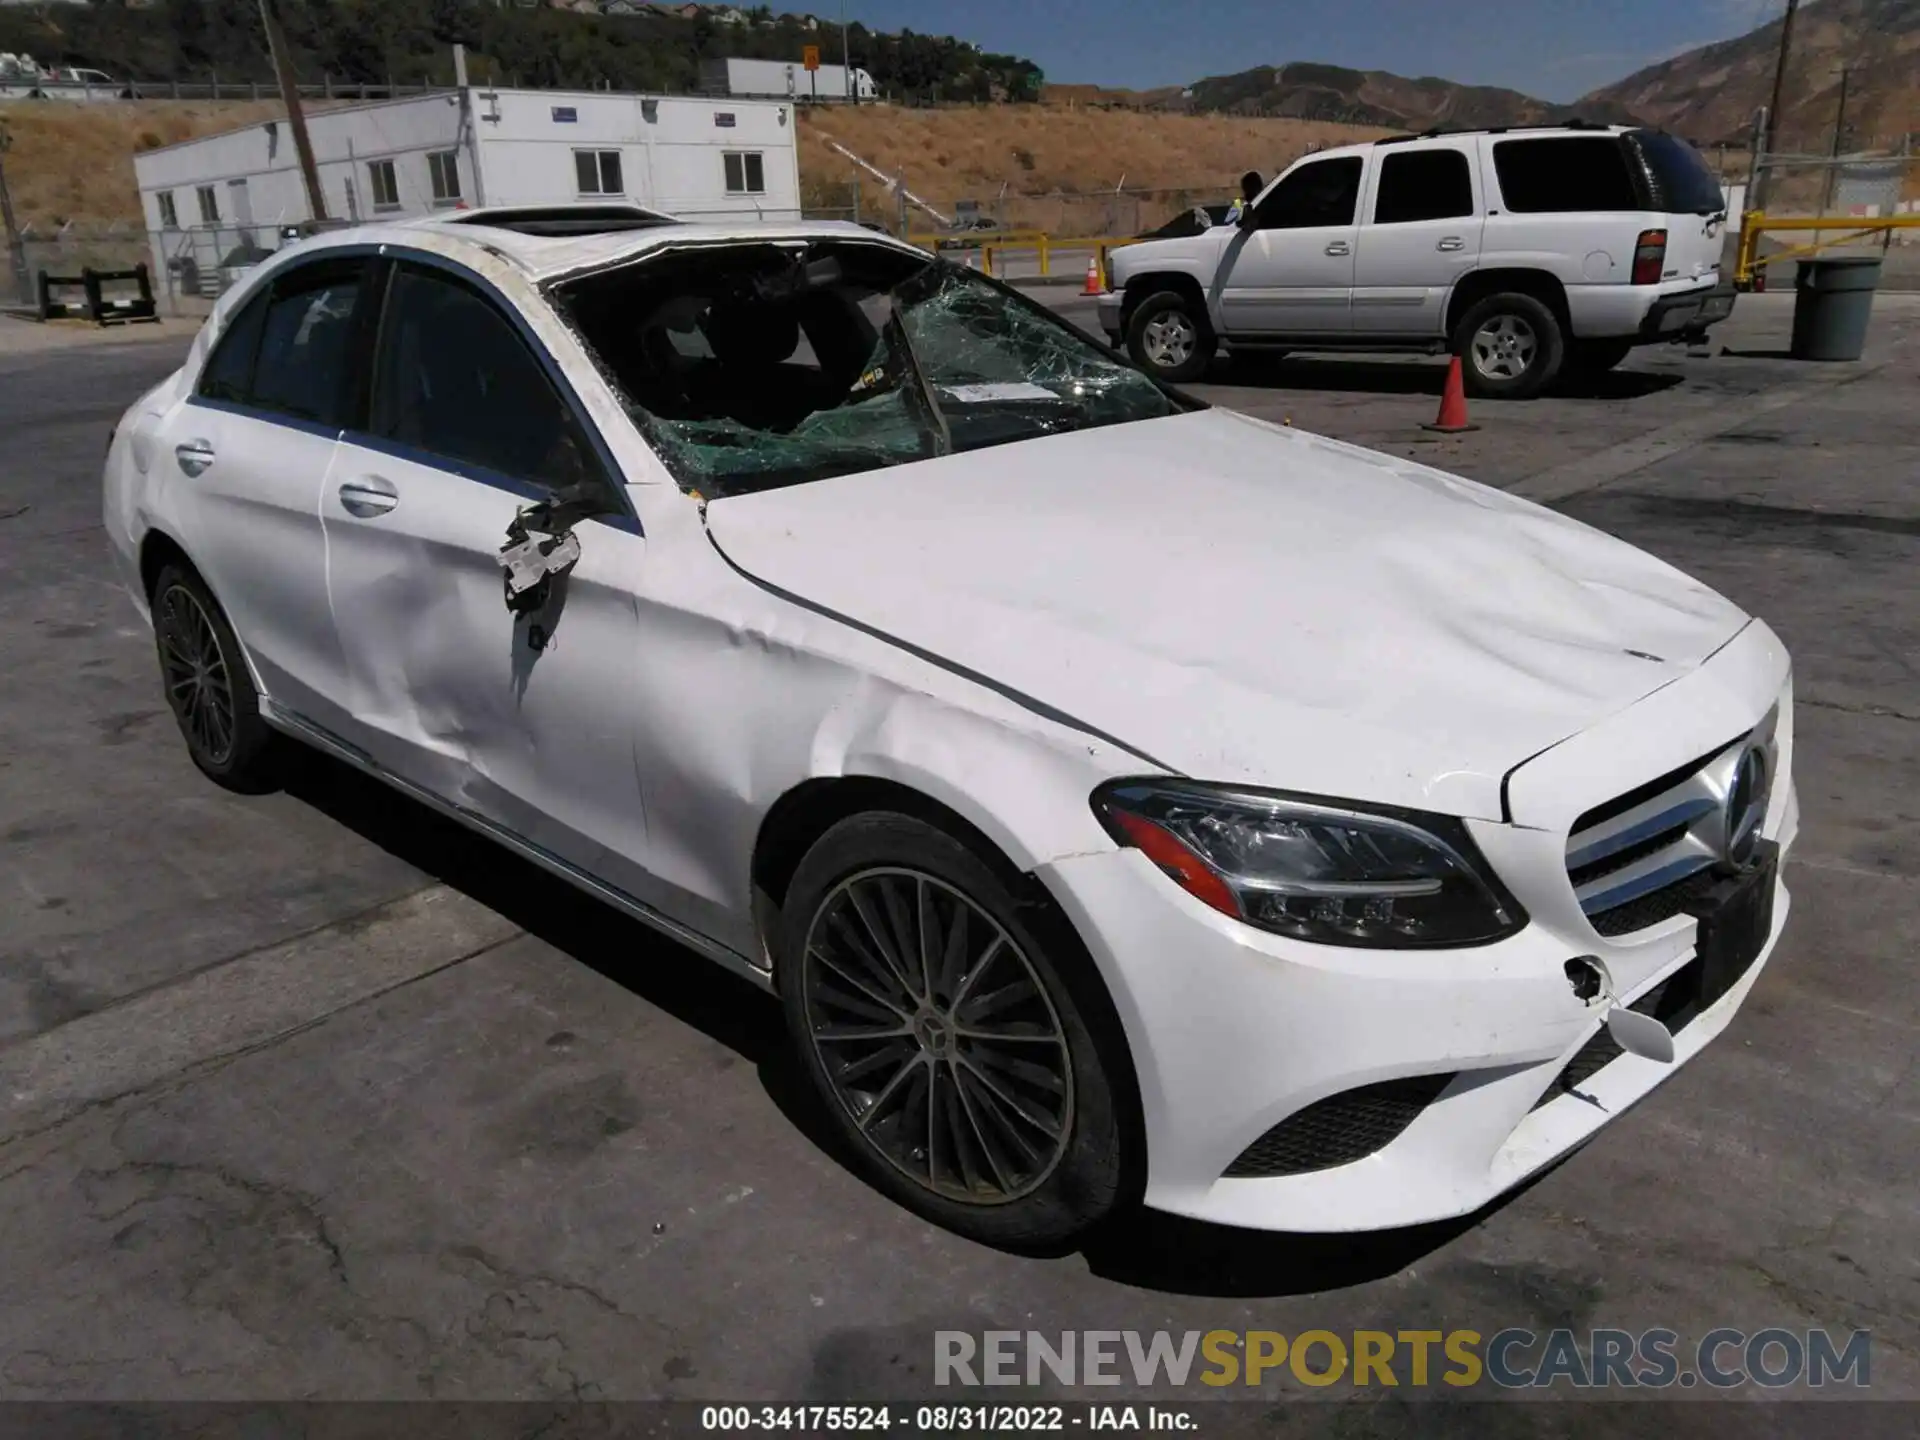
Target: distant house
point(625, 7)
point(727, 15)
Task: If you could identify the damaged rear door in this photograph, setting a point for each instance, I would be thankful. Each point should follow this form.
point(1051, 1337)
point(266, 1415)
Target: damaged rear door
point(516, 707)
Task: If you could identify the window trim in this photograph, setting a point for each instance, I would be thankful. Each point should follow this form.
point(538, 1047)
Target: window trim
point(374, 170)
point(359, 430)
point(600, 154)
point(742, 156)
point(1307, 163)
point(1379, 185)
point(452, 161)
point(264, 293)
point(1630, 166)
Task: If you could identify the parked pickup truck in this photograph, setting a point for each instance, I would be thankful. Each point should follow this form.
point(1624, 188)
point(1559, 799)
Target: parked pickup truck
point(1527, 252)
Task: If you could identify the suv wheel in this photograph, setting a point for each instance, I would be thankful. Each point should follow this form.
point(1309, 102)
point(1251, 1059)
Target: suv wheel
point(1168, 340)
point(208, 687)
point(951, 1035)
point(1511, 347)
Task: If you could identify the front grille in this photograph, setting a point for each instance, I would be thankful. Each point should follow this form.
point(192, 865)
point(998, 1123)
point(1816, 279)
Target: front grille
point(1339, 1129)
point(1641, 857)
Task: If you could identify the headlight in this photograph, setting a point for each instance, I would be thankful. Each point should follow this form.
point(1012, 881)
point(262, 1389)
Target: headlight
point(1313, 869)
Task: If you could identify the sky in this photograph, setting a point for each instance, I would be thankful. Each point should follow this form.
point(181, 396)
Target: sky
point(1553, 49)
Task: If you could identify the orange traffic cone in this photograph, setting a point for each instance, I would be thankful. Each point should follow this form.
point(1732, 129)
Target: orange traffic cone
point(1452, 419)
point(1094, 286)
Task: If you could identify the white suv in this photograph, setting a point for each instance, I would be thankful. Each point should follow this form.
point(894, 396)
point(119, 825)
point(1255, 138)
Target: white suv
point(1525, 252)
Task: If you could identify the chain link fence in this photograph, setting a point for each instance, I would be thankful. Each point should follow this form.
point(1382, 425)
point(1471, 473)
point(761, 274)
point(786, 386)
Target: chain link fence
point(188, 268)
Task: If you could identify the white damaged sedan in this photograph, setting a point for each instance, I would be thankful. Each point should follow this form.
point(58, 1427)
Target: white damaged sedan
point(1127, 799)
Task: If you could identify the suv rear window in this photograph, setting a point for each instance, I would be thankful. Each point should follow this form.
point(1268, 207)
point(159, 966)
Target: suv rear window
point(1553, 176)
point(1681, 180)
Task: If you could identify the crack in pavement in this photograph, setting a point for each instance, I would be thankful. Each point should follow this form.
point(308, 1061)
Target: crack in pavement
point(1884, 712)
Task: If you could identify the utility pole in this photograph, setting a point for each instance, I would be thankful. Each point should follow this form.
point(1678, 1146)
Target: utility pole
point(16, 244)
point(846, 64)
point(296, 117)
point(1839, 136)
point(1771, 140)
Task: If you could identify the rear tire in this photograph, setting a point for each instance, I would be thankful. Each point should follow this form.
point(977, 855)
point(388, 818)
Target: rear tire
point(972, 1080)
point(1168, 340)
point(1510, 345)
point(208, 687)
point(1596, 357)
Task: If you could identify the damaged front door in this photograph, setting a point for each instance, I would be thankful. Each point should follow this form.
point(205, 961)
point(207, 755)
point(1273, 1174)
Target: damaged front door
point(513, 701)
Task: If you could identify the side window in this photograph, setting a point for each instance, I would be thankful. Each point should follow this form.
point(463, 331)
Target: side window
point(1546, 177)
point(456, 380)
point(306, 342)
point(1423, 185)
point(1323, 192)
point(229, 371)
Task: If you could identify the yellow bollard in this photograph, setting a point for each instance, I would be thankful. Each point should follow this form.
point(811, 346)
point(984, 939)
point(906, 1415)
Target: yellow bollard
point(1043, 254)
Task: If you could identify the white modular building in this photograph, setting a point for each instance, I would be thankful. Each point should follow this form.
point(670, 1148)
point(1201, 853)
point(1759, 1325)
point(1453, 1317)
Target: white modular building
point(218, 202)
point(783, 79)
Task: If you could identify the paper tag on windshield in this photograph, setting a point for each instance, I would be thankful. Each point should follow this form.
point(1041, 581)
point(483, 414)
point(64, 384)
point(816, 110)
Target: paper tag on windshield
point(1003, 390)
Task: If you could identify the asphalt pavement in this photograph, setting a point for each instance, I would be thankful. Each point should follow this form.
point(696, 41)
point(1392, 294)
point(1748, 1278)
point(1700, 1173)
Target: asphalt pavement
point(314, 1095)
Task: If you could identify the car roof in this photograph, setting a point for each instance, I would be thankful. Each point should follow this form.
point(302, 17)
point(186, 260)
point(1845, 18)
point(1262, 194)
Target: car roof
point(631, 234)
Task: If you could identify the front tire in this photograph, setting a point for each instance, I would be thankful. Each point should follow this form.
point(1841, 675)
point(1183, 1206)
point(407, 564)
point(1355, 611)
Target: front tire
point(1511, 346)
point(208, 687)
point(950, 1032)
point(1168, 339)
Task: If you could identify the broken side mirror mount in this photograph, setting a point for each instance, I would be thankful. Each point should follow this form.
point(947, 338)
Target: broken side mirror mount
point(541, 544)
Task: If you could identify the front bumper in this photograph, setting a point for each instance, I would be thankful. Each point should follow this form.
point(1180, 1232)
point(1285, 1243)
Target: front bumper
point(1233, 1030)
point(1109, 308)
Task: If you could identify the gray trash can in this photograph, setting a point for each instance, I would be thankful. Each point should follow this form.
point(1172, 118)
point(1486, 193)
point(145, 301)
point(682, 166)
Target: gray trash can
point(1832, 303)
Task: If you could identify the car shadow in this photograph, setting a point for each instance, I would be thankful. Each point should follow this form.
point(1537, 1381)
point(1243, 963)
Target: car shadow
point(651, 966)
point(1142, 1248)
point(1412, 377)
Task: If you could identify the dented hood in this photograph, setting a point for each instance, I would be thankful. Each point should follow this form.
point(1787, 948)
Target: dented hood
point(1244, 603)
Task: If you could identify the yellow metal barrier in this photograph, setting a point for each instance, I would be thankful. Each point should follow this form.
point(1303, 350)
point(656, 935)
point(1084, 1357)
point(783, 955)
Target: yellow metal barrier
point(1748, 261)
point(997, 242)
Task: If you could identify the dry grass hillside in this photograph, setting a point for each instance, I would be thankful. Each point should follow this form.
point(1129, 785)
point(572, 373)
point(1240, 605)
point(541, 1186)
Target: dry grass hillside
point(75, 162)
point(1035, 156)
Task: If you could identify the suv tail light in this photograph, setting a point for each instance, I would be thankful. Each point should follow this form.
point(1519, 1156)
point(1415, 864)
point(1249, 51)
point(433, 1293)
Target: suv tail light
point(1649, 257)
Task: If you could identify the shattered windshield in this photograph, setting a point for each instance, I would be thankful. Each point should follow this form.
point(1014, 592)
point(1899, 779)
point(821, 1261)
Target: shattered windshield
point(749, 367)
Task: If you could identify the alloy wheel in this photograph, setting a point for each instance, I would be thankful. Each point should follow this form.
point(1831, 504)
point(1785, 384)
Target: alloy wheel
point(199, 687)
point(937, 1036)
point(1504, 347)
point(1168, 339)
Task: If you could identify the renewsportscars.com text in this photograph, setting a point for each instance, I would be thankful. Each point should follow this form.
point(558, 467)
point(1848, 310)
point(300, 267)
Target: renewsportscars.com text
point(1513, 1358)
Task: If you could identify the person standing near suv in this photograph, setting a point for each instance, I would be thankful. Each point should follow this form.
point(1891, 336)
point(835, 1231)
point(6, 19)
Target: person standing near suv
point(1250, 187)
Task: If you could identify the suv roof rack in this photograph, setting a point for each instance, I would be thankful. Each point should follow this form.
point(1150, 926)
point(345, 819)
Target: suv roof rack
point(1571, 123)
point(565, 220)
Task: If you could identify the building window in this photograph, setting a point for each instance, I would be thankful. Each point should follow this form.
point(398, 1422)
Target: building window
point(169, 217)
point(209, 205)
point(746, 175)
point(598, 172)
point(384, 186)
point(443, 169)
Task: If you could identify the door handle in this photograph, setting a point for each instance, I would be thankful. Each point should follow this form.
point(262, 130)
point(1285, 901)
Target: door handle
point(1338, 247)
point(368, 496)
point(194, 456)
point(1452, 242)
